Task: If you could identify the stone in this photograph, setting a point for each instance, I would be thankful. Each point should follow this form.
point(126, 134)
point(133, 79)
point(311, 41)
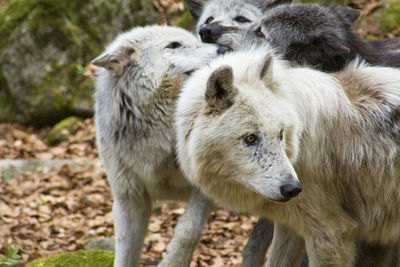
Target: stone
point(62, 130)
point(45, 50)
point(103, 243)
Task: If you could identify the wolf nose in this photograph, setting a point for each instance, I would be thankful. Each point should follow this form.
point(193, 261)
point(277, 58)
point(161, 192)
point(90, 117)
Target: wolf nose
point(210, 33)
point(290, 189)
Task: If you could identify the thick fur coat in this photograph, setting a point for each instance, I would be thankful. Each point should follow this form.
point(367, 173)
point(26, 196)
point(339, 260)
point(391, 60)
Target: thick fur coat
point(138, 82)
point(339, 135)
point(318, 35)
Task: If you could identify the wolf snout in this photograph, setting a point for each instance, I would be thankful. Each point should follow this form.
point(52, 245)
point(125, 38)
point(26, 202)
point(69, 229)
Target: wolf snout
point(290, 189)
point(210, 33)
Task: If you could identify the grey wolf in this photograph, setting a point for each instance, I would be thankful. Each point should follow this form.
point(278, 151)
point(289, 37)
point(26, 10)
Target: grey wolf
point(255, 124)
point(317, 35)
point(214, 17)
point(138, 82)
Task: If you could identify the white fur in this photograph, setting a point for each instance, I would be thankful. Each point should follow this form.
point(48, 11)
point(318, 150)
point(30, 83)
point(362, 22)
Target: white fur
point(341, 137)
point(136, 89)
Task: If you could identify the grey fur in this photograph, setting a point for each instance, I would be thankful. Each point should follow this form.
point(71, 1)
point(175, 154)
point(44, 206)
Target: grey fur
point(317, 35)
point(136, 88)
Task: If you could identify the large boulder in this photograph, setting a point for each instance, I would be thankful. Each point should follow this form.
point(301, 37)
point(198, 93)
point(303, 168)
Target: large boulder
point(45, 49)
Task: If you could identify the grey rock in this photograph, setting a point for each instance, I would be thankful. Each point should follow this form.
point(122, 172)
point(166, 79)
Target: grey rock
point(45, 49)
point(102, 243)
point(8, 167)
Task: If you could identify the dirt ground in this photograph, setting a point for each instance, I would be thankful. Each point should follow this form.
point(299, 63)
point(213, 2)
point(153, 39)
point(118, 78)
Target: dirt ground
point(62, 208)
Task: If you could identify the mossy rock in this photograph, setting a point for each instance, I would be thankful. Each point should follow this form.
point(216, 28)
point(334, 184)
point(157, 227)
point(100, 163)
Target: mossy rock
point(80, 258)
point(185, 21)
point(62, 130)
point(46, 47)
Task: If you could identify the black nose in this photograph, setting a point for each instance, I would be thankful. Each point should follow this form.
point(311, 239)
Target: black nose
point(222, 49)
point(210, 33)
point(291, 189)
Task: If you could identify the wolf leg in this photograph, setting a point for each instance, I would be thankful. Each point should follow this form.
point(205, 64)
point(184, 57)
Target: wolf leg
point(187, 232)
point(330, 248)
point(259, 241)
point(377, 255)
point(287, 249)
point(131, 216)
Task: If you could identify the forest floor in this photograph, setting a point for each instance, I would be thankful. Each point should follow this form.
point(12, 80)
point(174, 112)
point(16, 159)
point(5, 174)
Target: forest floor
point(54, 209)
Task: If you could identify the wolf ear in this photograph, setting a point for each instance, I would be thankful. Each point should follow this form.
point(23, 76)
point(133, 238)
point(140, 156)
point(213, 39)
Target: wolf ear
point(349, 15)
point(220, 90)
point(266, 71)
point(264, 5)
point(195, 7)
point(116, 59)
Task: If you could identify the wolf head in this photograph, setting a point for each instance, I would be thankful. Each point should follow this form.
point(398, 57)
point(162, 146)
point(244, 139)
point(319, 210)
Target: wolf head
point(307, 34)
point(312, 34)
point(235, 130)
point(215, 17)
point(145, 55)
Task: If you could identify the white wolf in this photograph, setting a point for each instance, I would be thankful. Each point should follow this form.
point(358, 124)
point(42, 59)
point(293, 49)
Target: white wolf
point(136, 89)
point(248, 125)
point(313, 34)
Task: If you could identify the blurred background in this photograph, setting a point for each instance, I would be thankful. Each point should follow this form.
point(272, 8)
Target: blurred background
point(54, 196)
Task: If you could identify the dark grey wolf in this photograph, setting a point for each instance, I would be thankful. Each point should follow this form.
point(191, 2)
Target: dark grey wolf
point(317, 35)
point(320, 35)
point(140, 76)
point(246, 120)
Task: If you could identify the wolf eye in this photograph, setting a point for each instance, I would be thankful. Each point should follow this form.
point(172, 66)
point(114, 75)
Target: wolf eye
point(242, 19)
point(209, 20)
point(259, 33)
point(280, 136)
point(174, 45)
point(250, 139)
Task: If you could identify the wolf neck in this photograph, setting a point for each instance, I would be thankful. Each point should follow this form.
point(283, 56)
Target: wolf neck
point(373, 55)
point(314, 95)
point(141, 104)
point(349, 123)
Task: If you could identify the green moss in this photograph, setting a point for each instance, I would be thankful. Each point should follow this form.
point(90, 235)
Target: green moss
point(7, 112)
point(62, 90)
point(184, 21)
point(3, 83)
point(62, 130)
point(81, 258)
point(389, 15)
point(54, 41)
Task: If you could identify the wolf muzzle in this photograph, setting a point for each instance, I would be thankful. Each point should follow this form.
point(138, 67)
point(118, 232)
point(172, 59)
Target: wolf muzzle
point(210, 33)
point(291, 189)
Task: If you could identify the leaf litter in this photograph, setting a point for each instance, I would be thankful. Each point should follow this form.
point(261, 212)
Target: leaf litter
point(58, 209)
